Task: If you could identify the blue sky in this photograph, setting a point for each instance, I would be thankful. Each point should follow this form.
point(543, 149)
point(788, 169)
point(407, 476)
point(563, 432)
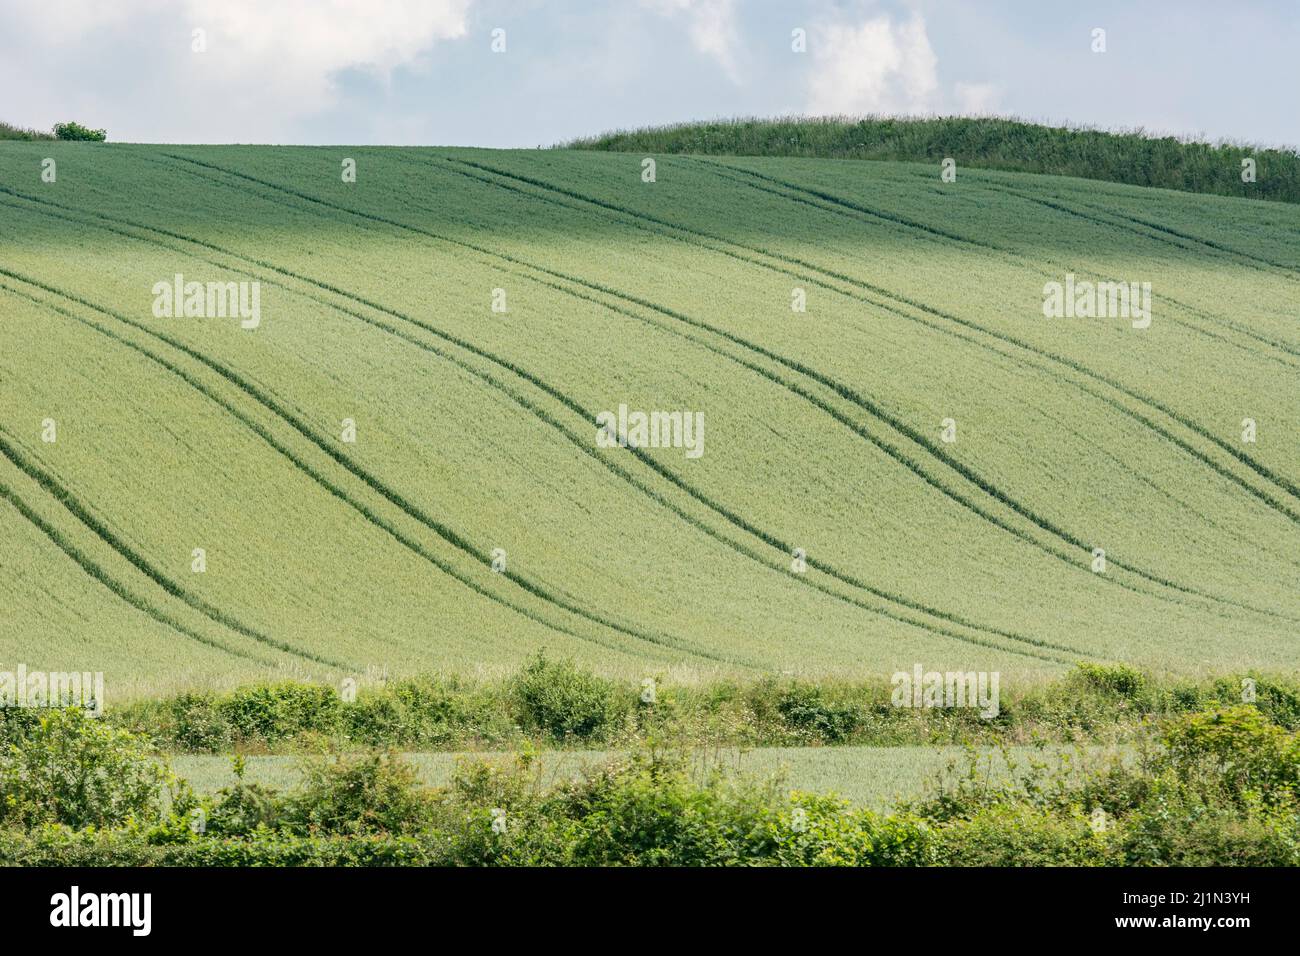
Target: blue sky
point(424, 72)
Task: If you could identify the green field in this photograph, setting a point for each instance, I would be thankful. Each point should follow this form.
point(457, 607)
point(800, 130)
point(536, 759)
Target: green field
point(877, 777)
point(476, 430)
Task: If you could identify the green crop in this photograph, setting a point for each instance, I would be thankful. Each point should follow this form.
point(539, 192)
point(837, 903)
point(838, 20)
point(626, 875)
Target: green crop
point(829, 527)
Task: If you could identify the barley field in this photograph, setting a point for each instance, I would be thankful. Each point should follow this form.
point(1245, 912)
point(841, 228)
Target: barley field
point(395, 466)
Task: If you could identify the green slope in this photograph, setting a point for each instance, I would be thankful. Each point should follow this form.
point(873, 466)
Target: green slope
point(1136, 157)
point(476, 430)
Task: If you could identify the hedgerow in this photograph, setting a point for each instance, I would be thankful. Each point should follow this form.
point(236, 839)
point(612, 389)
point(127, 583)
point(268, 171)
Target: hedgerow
point(1220, 786)
point(552, 701)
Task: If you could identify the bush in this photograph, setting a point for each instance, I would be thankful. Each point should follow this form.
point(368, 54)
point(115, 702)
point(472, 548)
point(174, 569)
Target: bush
point(558, 699)
point(1019, 835)
point(271, 713)
point(1235, 750)
point(198, 724)
point(421, 713)
point(649, 813)
point(78, 771)
point(1281, 704)
point(803, 709)
point(16, 723)
point(824, 831)
point(555, 700)
point(377, 793)
point(57, 846)
point(1117, 679)
point(75, 131)
point(1175, 827)
point(244, 808)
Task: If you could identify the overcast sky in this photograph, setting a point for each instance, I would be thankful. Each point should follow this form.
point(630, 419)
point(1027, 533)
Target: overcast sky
point(424, 71)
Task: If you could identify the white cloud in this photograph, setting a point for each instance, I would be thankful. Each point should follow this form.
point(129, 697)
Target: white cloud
point(267, 64)
point(301, 43)
point(875, 66)
point(60, 22)
point(711, 26)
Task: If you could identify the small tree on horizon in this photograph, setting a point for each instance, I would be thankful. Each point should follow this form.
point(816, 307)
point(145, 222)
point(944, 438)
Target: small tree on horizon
point(75, 131)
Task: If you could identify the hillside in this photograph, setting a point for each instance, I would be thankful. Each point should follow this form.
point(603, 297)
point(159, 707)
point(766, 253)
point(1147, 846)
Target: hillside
point(1134, 157)
point(476, 430)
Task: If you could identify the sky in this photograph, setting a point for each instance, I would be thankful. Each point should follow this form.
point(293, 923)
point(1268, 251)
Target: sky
point(530, 72)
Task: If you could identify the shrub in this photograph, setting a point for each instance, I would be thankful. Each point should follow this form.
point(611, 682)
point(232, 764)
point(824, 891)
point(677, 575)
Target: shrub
point(75, 131)
point(648, 812)
point(16, 723)
point(803, 708)
point(377, 793)
point(1220, 788)
point(271, 713)
point(78, 771)
point(198, 724)
point(1117, 679)
point(1020, 835)
point(57, 846)
point(243, 808)
point(558, 699)
point(420, 712)
point(1177, 828)
point(1236, 750)
point(1281, 704)
point(824, 831)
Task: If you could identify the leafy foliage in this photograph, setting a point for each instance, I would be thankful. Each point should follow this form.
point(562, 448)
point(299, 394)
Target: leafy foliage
point(562, 700)
point(77, 132)
point(1214, 787)
point(78, 771)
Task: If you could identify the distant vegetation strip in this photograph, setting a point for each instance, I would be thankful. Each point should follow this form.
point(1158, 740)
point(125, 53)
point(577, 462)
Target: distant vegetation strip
point(1133, 157)
point(555, 703)
point(1215, 787)
point(70, 131)
point(8, 131)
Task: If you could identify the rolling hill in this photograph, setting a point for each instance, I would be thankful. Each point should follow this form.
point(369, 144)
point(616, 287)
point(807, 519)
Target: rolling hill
point(475, 517)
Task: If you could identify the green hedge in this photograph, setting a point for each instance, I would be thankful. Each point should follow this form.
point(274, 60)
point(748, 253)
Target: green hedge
point(1132, 157)
point(1218, 787)
point(555, 703)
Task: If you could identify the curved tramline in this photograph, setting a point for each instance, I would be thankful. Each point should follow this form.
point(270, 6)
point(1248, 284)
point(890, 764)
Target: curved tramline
point(1047, 650)
point(399, 465)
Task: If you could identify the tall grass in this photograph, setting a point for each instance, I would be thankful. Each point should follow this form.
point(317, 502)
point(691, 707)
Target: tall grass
point(1131, 156)
point(17, 132)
